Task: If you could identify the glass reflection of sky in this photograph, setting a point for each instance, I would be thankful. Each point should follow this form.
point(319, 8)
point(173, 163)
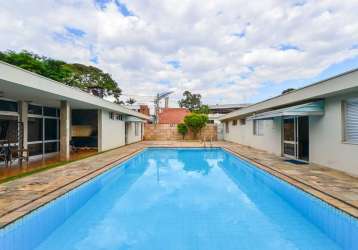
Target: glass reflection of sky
point(186, 199)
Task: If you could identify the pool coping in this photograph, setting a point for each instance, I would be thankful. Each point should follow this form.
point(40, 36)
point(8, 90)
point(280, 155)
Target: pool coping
point(331, 200)
point(21, 211)
point(17, 213)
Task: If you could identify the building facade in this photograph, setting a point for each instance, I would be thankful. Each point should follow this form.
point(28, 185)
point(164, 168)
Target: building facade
point(317, 123)
point(43, 117)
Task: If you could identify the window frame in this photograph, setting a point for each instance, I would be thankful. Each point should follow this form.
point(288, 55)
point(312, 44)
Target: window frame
point(227, 130)
point(136, 128)
point(258, 127)
point(344, 104)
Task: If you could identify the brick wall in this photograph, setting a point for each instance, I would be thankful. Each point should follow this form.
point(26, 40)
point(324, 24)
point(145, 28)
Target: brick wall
point(163, 132)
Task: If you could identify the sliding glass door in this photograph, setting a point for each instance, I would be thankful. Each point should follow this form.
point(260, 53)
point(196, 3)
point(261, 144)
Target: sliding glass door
point(296, 137)
point(43, 130)
point(290, 137)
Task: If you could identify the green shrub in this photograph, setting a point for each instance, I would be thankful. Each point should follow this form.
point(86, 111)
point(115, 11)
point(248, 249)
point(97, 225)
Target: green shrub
point(195, 122)
point(182, 129)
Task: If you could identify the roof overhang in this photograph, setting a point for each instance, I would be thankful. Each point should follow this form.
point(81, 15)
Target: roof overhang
point(130, 118)
point(20, 84)
point(307, 109)
point(339, 84)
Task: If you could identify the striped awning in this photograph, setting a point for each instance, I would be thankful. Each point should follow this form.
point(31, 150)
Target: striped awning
point(306, 109)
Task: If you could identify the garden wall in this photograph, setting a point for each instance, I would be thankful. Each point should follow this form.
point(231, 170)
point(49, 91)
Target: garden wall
point(163, 132)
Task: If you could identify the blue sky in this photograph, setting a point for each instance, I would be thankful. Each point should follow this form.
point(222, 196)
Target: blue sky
point(269, 90)
point(229, 51)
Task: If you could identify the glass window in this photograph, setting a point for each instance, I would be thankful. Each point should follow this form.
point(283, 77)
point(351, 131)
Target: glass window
point(35, 149)
point(51, 129)
point(227, 127)
point(242, 122)
point(50, 112)
point(34, 129)
point(351, 121)
point(258, 127)
point(8, 128)
point(34, 109)
point(8, 106)
point(234, 122)
point(136, 128)
point(51, 147)
point(289, 129)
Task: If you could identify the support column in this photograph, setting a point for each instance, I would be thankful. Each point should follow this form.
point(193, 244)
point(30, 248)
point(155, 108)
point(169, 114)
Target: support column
point(65, 133)
point(23, 117)
point(99, 131)
point(22, 131)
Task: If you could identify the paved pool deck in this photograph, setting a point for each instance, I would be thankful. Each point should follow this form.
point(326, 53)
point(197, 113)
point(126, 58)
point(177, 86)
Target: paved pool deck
point(21, 196)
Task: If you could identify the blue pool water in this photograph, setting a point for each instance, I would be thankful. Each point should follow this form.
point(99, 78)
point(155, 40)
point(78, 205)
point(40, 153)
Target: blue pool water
point(184, 199)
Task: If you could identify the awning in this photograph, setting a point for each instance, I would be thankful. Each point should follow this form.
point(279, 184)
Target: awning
point(130, 118)
point(307, 109)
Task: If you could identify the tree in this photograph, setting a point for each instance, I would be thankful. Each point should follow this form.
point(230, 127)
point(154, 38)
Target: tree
point(204, 109)
point(92, 80)
point(131, 101)
point(190, 101)
point(287, 90)
point(195, 122)
point(182, 129)
point(87, 78)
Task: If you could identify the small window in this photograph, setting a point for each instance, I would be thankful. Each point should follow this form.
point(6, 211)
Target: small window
point(34, 110)
point(136, 128)
point(227, 127)
point(8, 106)
point(351, 121)
point(50, 112)
point(119, 117)
point(111, 115)
point(234, 122)
point(242, 122)
point(258, 127)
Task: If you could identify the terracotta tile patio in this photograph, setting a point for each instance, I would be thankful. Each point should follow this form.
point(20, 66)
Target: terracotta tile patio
point(24, 195)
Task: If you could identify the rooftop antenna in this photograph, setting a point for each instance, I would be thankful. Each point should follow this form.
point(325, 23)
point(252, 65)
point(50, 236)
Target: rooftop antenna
point(160, 96)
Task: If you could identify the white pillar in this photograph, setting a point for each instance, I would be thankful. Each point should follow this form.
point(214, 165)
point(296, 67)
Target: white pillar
point(65, 115)
point(99, 131)
point(23, 117)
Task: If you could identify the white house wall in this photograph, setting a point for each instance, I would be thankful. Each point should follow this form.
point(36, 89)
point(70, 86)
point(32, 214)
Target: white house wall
point(326, 137)
point(327, 147)
point(111, 133)
point(270, 141)
point(131, 133)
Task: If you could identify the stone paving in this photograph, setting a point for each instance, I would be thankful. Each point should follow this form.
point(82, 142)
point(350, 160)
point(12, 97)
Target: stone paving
point(21, 196)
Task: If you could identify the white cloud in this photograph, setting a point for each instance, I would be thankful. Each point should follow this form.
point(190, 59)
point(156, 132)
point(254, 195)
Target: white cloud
point(226, 49)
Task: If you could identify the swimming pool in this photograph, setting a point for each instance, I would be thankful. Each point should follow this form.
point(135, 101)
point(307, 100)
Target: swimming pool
point(170, 198)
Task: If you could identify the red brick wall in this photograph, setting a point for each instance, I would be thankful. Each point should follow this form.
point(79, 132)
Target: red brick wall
point(165, 132)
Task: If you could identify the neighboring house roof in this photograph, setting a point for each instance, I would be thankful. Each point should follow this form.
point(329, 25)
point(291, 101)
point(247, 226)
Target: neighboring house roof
point(172, 115)
point(339, 84)
point(18, 83)
point(227, 106)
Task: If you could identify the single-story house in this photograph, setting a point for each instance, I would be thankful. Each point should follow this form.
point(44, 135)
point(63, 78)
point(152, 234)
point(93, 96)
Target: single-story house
point(47, 117)
point(317, 123)
point(218, 110)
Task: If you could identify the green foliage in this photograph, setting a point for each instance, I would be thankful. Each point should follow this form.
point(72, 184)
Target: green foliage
point(131, 101)
point(204, 109)
point(190, 101)
point(195, 122)
point(87, 78)
point(182, 129)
